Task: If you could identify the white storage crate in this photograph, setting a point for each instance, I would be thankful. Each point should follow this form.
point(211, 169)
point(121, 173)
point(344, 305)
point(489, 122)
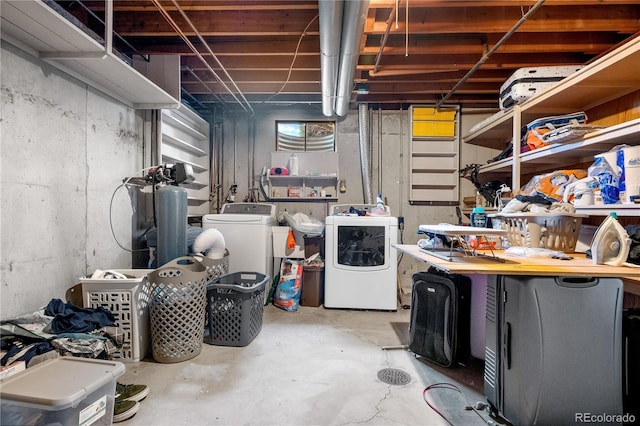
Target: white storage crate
point(553, 231)
point(128, 300)
point(61, 391)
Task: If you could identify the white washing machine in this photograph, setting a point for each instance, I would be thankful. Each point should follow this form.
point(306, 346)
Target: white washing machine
point(246, 228)
point(360, 262)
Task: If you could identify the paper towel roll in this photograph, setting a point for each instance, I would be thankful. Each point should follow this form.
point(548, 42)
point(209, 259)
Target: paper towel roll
point(631, 156)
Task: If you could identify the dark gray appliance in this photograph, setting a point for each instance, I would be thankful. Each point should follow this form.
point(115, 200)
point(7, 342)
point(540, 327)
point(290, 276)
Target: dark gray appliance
point(553, 349)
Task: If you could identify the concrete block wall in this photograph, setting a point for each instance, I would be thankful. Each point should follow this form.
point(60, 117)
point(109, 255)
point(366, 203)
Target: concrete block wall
point(64, 149)
point(390, 168)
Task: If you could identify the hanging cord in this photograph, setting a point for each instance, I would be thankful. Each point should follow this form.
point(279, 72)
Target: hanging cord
point(476, 408)
point(113, 195)
point(295, 56)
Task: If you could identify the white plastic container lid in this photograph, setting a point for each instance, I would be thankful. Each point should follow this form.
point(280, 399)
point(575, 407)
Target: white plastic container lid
point(59, 383)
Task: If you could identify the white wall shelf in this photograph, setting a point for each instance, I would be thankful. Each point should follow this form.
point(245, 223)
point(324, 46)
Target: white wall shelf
point(184, 139)
point(34, 25)
point(317, 171)
point(184, 145)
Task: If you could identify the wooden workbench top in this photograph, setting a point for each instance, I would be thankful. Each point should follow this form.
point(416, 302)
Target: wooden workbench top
point(579, 266)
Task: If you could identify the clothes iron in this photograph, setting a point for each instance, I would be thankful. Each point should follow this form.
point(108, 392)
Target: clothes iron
point(582, 191)
point(611, 243)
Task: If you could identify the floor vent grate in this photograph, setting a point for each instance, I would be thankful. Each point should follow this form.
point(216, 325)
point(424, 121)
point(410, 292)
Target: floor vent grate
point(393, 376)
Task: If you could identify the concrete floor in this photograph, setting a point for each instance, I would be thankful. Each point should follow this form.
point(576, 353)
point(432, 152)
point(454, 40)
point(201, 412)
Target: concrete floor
point(315, 366)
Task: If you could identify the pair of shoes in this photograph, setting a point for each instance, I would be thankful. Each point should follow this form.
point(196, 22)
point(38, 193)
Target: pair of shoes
point(131, 392)
point(127, 399)
point(124, 409)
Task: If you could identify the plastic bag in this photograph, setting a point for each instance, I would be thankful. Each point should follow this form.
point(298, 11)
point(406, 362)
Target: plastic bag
point(305, 224)
point(289, 288)
point(551, 186)
point(537, 129)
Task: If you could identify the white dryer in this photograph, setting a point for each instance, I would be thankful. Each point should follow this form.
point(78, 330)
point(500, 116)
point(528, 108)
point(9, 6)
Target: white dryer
point(246, 228)
point(361, 261)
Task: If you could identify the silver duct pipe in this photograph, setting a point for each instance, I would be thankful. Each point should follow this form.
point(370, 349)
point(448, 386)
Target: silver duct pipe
point(330, 12)
point(353, 19)
point(364, 145)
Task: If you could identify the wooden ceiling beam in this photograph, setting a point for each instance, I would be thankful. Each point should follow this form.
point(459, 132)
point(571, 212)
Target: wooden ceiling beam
point(225, 23)
point(386, 4)
point(221, 47)
point(211, 5)
point(451, 20)
point(273, 63)
point(467, 61)
point(266, 76)
point(587, 42)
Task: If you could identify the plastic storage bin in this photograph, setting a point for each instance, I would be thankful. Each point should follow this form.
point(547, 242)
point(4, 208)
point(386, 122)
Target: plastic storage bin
point(62, 391)
point(177, 308)
point(554, 231)
point(128, 301)
point(235, 306)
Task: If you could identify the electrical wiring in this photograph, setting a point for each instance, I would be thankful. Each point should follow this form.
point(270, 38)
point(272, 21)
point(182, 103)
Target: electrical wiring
point(111, 222)
point(113, 195)
point(450, 386)
point(295, 56)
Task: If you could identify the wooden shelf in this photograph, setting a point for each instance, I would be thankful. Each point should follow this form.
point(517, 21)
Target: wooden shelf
point(604, 80)
point(604, 210)
point(39, 29)
point(610, 77)
point(574, 152)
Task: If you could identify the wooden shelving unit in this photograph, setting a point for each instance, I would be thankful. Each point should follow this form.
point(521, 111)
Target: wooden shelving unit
point(604, 80)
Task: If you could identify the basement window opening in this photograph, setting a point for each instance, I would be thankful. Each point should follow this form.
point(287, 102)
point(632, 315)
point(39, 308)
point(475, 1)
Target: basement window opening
point(305, 136)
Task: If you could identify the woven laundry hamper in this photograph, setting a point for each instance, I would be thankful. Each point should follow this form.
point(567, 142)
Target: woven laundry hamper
point(177, 308)
point(215, 267)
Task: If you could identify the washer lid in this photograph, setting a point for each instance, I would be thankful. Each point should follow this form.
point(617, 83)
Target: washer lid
point(249, 208)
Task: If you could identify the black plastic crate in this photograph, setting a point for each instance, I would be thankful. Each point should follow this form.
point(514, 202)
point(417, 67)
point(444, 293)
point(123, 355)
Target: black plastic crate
point(235, 306)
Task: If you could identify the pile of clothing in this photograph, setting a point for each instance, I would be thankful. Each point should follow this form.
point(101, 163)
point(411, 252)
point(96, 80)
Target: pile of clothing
point(60, 329)
point(64, 329)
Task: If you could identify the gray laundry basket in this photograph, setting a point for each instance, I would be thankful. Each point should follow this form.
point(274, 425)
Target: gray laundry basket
point(215, 267)
point(177, 308)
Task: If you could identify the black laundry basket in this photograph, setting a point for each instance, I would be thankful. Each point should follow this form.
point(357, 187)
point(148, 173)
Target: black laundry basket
point(235, 305)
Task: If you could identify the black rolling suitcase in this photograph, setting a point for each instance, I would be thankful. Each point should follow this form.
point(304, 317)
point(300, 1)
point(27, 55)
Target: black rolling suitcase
point(440, 311)
point(553, 349)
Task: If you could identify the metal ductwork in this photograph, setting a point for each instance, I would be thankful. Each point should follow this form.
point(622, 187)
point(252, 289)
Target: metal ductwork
point(337, 71)
point(365, 149)
point(330, 11)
